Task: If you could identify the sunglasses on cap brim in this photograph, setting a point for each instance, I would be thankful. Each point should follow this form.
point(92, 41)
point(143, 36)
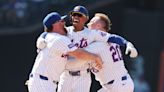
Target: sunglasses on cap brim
point(78, 14)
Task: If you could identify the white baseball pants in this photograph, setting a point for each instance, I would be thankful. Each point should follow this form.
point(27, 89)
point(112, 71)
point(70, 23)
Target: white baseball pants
point(119, 85)
point(37, 84)
point(69, 83)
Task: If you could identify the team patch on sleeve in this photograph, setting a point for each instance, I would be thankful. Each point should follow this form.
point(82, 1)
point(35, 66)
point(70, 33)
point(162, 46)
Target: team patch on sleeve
point(71, 45)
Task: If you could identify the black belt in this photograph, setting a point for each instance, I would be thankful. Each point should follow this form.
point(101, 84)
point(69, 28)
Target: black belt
point(77, 73)
point(112, 81)
point(43, 78)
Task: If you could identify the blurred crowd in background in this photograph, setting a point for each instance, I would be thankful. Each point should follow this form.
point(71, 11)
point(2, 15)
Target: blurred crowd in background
point(20, 13)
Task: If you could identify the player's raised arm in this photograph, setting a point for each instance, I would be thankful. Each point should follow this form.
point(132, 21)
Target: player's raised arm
point(117, 39)
point(130, 49)
point(100, 25)
point(112, 38)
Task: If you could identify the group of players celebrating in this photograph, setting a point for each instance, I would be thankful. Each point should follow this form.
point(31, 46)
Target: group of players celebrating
point(67, 55)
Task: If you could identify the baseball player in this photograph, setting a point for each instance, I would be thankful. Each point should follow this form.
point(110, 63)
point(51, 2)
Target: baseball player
point(50, 61)
point(113, 76)
point(77, 73)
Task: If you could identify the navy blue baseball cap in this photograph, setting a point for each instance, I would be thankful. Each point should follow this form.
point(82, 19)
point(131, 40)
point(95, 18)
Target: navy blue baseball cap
point(81, 10)
point(52, 18)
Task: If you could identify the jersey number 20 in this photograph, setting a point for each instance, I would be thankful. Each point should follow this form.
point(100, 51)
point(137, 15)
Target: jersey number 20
point(116, 54)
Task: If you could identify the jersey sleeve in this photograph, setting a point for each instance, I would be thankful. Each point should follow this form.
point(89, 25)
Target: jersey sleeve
point(107, 37)
point(100, 35)
point(118, 40)
point(40, 43)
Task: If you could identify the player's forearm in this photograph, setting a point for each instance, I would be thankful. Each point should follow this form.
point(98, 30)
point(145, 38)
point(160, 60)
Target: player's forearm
point(87, 56)
point(82, 54)
point(118, 40)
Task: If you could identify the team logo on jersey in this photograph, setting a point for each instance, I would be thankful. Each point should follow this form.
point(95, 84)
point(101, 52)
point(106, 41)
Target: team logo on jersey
point(83, 43)
point(103, 34)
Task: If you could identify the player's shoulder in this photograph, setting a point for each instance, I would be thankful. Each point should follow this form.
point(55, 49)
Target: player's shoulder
point(97, 46)
point(94, 30)
point(98, 43)
point(85, 31)
point(99, 31)
point(55, 37)
point(52, 36)
point(113, 44)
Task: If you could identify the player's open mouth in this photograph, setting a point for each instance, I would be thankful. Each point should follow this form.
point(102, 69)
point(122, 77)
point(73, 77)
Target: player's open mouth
point(75, 21)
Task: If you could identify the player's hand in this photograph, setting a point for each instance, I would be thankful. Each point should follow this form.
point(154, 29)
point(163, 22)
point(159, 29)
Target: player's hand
point(98, 63)
point(27, 81)
point(41, 44)
point(131, 50)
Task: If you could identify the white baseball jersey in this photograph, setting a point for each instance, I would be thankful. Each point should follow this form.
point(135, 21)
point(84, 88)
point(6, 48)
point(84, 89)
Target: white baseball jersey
point(113, 67)
point(50, 62)
point(82, 39)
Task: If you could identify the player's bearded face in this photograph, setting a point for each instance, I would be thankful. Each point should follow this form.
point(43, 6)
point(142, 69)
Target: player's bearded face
point(59, 25)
